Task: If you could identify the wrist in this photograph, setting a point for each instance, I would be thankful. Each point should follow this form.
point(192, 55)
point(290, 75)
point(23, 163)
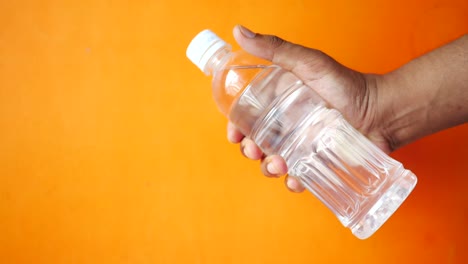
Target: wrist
point(404, 110)
point(380, 112)
point(424, 96)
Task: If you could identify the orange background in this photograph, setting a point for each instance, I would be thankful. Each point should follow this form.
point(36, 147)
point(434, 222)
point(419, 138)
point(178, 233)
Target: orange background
point(112, 150)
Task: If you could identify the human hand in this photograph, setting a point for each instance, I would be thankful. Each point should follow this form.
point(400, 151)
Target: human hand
point(352, 93)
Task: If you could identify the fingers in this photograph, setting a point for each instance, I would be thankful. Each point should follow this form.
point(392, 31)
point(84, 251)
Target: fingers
point(274, 166)
point(283, 53)
point(250, 150)
point(271, 166)
point(293, 184)
point(233, 135)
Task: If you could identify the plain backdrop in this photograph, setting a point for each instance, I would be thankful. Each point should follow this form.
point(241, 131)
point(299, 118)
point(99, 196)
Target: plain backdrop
point(112, 149)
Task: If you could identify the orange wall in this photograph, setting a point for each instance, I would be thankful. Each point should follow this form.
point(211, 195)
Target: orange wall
point(112, 150)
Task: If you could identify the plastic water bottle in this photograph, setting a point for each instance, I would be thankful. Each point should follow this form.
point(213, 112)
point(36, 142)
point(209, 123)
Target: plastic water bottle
point(356, 180)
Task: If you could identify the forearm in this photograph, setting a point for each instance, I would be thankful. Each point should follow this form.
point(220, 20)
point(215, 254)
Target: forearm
point(426, 95)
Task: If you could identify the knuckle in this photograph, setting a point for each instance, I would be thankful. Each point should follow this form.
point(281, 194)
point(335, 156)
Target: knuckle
point(275, 41)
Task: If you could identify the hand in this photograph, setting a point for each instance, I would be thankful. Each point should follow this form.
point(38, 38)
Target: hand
point(352, 93)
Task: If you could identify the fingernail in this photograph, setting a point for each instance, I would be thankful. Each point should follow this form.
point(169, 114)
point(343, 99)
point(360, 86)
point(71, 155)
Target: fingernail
point(248, 151)
point(272, 168)
point(242, 147)
point(230, 136)
point(246, 32)
point(290, 183)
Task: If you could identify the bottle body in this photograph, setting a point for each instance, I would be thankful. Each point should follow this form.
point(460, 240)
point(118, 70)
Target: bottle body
point(356, 180)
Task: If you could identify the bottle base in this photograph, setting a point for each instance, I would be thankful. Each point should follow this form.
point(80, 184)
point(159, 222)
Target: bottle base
point(385, 206)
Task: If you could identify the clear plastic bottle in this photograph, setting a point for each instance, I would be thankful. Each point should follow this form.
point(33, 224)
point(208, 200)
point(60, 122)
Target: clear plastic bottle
point(356, 180)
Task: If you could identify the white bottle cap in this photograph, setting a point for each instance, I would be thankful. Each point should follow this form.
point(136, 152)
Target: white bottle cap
point(203, 46)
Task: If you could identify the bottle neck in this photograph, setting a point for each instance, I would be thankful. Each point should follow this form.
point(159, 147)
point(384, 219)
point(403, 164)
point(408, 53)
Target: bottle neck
point(218, 60)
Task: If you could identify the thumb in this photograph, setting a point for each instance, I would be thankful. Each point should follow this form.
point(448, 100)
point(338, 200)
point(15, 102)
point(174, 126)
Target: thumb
point(282, 53)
